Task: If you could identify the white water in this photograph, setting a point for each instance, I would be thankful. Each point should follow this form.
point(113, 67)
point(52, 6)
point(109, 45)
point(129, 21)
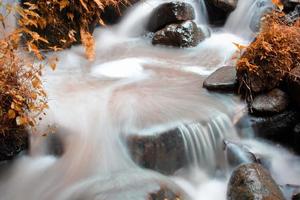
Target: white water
point(133, 86)
point(239, 20)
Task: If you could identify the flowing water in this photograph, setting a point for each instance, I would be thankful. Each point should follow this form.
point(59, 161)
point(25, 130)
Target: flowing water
point(134, 87)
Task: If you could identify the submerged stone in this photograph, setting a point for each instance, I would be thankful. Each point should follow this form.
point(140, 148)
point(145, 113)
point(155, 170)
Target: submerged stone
point(275, 101)
point(162, 152)
point(223, 79)
point(169, 13)
point(252, 181)
point(186, 34)
point(237, 154)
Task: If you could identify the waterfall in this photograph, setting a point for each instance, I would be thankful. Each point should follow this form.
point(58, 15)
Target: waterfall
point(203, 142)
point(247, 13)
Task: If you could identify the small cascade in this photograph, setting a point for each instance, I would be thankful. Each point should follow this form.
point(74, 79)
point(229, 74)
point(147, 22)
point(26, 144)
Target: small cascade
point(246, 16)
point(201, 11)
point(203, 142)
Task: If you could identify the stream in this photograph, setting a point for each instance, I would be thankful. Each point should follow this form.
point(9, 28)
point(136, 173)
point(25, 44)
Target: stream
point(135, 88)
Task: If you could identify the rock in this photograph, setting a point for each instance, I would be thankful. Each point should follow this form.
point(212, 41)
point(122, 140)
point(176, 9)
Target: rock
point(55, 145)
point(12, 143)
point(293, 16)
point(186, 34)
point(252, 181)
point(296, 196)
point(293, 85)
point(237, 154)
point(226, 5)
point(170, 13)
point(162, 152)
point(279, 128)
point(223, 79)
point(164, 193)
point(290, 5)
point(275, 101)
point(218, 11)
point(111, 15)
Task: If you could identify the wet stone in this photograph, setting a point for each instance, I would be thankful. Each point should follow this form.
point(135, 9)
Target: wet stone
point(169, 13)
point(186, 34)
point(296, 196)
point(223, 79)
point(163, 152)
point(293, 85)
point(238, 154)
point(280, 128)
point(275, 101)
point(165, 193)
point(226, 5)
point(252, 181)
point(218, 11)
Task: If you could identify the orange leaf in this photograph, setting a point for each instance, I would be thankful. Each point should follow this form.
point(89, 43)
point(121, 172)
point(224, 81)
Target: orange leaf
point(278, 3)
point(11, 114)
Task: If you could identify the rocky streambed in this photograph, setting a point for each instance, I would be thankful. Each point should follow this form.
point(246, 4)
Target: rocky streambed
point(134, 135)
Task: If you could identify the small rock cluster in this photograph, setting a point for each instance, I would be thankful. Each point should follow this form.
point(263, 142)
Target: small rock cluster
point(172, 24)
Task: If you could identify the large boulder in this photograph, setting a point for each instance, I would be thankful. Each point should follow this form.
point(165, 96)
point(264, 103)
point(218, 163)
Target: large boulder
point(252, 181)
point(170, 13)
point(186, 34)
point(275, 101)
point(223, 79)
point(163, 152)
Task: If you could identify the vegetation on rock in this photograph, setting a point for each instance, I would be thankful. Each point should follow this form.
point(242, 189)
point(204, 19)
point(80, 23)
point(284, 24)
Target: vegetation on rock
point(273, 54)
point(65, 22)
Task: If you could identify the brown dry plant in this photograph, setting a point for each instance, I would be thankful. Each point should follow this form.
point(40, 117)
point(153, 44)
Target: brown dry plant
point(267, 60)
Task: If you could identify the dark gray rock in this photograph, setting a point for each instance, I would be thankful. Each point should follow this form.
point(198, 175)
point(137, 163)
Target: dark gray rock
point(12, 143)
point(226, 5)
point(275, 101)
point(252, 181)
point(223, 79)
point(280, 128)
point(296, 196)
point(293, 85)
point(289, 5)
point(293, 16)
point(111, 15)
point(218, 11)
point(170, 13)
point(162, 152)
point(186, 34)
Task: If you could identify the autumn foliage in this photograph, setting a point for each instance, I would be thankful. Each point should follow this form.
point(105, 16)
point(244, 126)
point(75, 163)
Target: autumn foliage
point(275, 51)
point(51, 25)
point(65, 22)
